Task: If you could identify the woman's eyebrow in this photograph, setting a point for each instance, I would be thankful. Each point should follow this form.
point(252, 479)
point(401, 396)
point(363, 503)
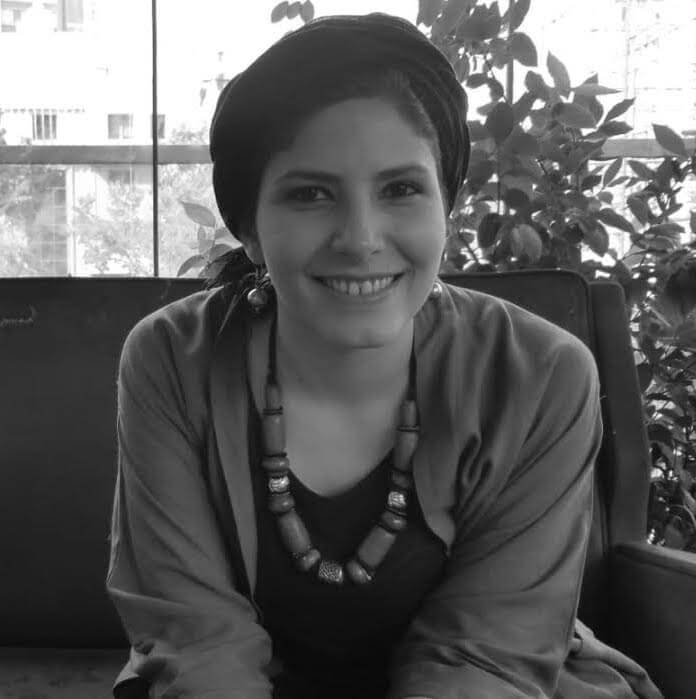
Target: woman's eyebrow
point(326, 176)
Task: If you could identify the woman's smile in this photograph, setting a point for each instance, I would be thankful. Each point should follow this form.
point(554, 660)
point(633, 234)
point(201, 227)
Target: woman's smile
point(367, 288)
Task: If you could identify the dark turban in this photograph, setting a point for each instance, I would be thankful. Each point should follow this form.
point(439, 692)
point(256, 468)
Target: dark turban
point(301, 67)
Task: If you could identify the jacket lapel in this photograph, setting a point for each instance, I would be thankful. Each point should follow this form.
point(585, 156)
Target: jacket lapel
point(229, 406)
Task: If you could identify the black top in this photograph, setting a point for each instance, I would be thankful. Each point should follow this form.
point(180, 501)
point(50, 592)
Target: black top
point(336, 640)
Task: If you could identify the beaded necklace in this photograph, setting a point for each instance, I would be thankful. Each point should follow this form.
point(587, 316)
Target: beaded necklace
point(363, 564)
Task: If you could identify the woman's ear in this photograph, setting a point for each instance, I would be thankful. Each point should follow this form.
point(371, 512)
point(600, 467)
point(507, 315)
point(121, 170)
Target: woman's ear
point(252, 247)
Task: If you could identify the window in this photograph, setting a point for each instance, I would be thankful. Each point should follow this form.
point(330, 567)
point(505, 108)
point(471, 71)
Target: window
point(11, 14)
point(70, 15)
point(120, 126)
point(44, 125)
point(121, 175)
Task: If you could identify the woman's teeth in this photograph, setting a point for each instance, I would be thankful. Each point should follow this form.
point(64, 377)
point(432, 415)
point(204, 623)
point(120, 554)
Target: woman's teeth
point(353, 288)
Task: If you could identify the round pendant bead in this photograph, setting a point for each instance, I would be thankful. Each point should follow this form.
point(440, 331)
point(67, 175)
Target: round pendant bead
point(294, 533)
point(375, 546)
point(279, 503)
point(257, 299)
point(331, 572)
point(280, 484)
point(357, 572)
point(396, 500)
point(409, 414)
point(276, 465)
point(406, 443)
point(308, 560)
point(401, 479)
point(273, 427)
point(273, 396)
point(393, 522)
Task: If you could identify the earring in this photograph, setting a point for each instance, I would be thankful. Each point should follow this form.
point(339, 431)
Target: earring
point(257, 297)
point(436, 291)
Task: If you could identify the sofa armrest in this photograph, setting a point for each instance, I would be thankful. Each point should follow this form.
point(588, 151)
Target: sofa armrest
point(653, 603)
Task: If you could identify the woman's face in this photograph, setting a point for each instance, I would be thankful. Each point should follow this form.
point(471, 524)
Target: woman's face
point(351, 225)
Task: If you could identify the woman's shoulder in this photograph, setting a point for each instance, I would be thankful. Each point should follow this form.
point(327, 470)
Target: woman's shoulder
point(187, 325)
point(498, 328)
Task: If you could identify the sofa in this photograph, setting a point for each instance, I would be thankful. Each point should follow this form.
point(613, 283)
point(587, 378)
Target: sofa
point(60, 339)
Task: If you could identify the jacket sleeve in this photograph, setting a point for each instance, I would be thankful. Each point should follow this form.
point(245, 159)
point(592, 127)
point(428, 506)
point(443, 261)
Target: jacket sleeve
point(170, 578)
point(499, 624)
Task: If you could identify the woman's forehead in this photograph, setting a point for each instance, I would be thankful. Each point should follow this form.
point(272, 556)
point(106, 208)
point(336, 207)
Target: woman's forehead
point(367, 134)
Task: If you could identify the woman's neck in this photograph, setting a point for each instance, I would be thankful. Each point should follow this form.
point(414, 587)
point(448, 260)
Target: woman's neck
point(316, 369)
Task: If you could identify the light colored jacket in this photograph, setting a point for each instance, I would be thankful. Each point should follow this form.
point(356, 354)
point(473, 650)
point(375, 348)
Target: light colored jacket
point(510, 428)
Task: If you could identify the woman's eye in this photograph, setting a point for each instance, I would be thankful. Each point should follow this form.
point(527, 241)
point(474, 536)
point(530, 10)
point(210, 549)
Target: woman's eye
point(402, 189)
point(307, 195)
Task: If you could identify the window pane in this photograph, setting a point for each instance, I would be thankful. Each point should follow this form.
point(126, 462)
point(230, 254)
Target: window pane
point(75, 219)
point(645, 49)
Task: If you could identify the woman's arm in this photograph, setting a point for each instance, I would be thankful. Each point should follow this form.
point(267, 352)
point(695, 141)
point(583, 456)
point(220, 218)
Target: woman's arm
point(193, 634)
point(500, 622)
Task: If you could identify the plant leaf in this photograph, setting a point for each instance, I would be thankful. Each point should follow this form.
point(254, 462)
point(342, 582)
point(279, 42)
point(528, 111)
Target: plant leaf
point(641, 169)
point(218, 249)
point(307, 11)
point(193, 262)
point(593, 90)
point(477, 131)
point(279, 12)
point(615, 128)
point(597, 239)
point(476, 80)
point(639, 208)
point(611, 218)
point(536, 85)
point(524, 239)
point(428, 10)
point(575, 116)
point(198, 213)
point(518, 12)
point(294, 10)
point(521, 143)
point(496, 89)
point(558, 72)
point(619, 108)
point(522, 49)
point(523, 106)
point(611, 171)
point(452, 15)
point(670, 140)
point(500, 121)
point(488, 229)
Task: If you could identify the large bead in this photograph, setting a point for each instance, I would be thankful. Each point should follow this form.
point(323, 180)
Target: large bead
point(308, 560)
point(275, 464)
point(278, 503)
point(406, 443)
point(274, 399)
point(331, 572)
point(409, 414)
point(280, 484)
point(396, 500)
point(257, 298)
point(294, 533)
point(392, 521)
point(375, 546)
point(273, 434)
point(357, 572)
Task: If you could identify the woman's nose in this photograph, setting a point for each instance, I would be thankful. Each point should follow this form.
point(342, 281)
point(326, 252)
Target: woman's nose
point(359, 231)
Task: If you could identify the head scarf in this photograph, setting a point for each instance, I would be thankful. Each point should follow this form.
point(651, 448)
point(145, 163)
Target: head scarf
point(319, 52)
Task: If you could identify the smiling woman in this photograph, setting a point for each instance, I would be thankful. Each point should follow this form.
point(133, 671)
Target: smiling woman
point(339, 476)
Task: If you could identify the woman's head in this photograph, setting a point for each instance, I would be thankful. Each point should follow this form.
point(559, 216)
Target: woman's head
point(329, 60)
point(336, 158)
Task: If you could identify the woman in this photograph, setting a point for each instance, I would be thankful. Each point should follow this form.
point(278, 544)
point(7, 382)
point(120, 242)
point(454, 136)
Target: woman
point(338, 476)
